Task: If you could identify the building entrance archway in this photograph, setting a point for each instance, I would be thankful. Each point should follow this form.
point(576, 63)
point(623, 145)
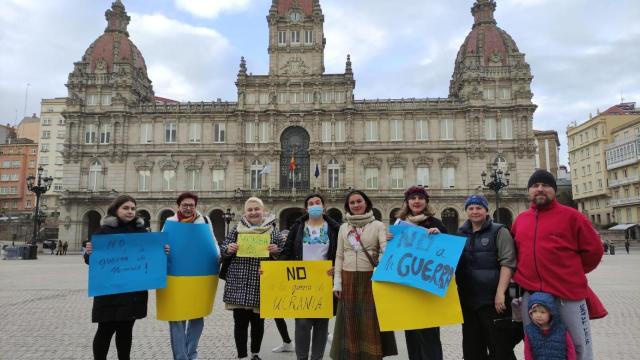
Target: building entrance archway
point(450, 220)
point(289, 216)
point(294, 158)
point(90, 224)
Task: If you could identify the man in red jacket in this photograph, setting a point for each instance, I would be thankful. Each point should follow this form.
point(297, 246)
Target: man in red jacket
point(557, 246)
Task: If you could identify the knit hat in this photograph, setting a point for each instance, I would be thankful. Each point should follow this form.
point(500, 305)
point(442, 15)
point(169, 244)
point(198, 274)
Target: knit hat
point(542, 176)
point(416, 190)
point(476, 200)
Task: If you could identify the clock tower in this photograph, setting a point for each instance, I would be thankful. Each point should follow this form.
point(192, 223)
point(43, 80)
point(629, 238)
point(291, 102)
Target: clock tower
point(296, 38)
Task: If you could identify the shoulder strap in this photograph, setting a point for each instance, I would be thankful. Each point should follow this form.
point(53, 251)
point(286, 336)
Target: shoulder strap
point(355, 233)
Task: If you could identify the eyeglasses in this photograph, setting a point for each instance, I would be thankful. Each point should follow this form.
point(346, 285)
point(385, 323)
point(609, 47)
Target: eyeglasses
point(188, 206)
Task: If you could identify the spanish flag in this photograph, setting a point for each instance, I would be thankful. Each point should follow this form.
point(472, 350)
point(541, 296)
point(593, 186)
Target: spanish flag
point(192, 273)
point(292, 163)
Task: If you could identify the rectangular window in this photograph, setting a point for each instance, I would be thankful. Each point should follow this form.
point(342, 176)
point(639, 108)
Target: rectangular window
point(218, 179)
point(6, 164)
point(448, 178)
point(92, 100)
point(489, 94)
point(506, 128)
point(263, 98)
point(422, 176)
point(105, 134)
point(296, 97)
point(326, 131)
point(218, 132)
point(334, 177)
point(339, 96)
point(282, 38)
point(264, 132)
point(295, 37)
point(327, 97)
point(340, 131)
point(146, 133)
point(46, 134)
point(256, 178)
point(14, 177)
point(397, 178)
point(4, 177)
point(193, 180)
point(15, 164)
point(490, 129)
point(44, 160)
point(283, 97)
point(106, 99)
point(446, 129)
point(90, 134)
point(308, 97)
point(396, 130)
point(195, 130)
point(144, 180)
point(251, 99)
point(46, 121)
point(44, 147)
point(32, 164)
point(371, 178)
point(371, 130)
point(422, 130)
point(60, 121)
point(505, 93)
point(170, 133)
point(168, 180)
point(308, 36)
point(250, 132)
point(57, 187)
point(60, 134)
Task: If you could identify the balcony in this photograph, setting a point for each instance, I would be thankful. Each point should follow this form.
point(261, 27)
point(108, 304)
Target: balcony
point(625, 181)
point(625, 201)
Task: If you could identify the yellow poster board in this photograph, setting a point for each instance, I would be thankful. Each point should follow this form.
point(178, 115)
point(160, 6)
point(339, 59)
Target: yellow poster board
point(401, 307)
point(253, 245)
point(296, 289)
point(186, 297)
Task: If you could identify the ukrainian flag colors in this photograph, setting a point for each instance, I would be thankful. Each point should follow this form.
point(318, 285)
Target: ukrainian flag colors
point(192, 272)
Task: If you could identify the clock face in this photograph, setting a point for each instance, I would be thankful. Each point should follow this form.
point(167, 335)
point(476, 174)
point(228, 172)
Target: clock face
point(295, 16)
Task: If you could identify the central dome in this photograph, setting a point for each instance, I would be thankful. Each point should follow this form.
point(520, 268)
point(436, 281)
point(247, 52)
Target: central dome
point(114, 46)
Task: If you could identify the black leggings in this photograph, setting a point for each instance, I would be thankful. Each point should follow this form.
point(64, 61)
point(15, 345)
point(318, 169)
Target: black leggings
point(102, 340)
point(241, 320)
point(282, 329)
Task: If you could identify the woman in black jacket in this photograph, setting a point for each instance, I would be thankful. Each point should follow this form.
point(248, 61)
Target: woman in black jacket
point(116, 313)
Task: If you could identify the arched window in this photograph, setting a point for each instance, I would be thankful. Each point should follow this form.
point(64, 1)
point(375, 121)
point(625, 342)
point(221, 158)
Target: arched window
point(95, 170)
point(333, 171)
point(256, 175)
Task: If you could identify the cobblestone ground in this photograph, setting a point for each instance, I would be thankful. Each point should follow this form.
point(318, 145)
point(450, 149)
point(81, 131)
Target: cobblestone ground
point(45, 314)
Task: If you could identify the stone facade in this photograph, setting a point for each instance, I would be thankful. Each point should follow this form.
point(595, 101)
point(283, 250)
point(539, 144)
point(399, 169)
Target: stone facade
point(548, 145)
point(296, 114)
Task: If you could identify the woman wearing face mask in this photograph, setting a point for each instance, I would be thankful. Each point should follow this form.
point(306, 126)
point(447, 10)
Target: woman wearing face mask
point(116, 314)
point(361, 242)
point(242, 287)
point(422, 344)
point(314, 236)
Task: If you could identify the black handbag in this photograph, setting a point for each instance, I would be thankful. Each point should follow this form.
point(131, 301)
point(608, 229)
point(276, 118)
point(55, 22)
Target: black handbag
point(224, 269)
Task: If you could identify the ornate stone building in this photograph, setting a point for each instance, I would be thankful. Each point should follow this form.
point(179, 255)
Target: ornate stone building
point(122, 141)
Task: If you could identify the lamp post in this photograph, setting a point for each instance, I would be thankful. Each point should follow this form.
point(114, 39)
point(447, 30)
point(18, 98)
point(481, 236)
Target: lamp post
point(499, 180)
point(37, 185)
point(227, 216)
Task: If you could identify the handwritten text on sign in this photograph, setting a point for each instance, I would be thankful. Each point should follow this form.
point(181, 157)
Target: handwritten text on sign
point(415, 258)
point(253, 245)
point(296, 289)
point(123, 263)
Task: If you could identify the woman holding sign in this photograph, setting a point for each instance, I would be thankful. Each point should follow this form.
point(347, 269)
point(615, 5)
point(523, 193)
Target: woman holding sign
point(422, 344)
point(253, 239)
point(483, 275)
point(117, 313)
point(361, 242)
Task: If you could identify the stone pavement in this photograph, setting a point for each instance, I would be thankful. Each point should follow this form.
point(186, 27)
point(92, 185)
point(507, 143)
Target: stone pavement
point(45, 314)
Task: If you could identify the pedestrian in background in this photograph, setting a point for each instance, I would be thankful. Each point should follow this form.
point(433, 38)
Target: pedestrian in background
point(116, 314)
point(626, 245)
point(242, 287)
point(361, 243)
point(65, 246)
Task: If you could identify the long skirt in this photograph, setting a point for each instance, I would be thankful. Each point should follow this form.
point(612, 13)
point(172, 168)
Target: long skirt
point(357, 333)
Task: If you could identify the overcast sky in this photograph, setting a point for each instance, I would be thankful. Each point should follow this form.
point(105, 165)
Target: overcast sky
point(584, 54)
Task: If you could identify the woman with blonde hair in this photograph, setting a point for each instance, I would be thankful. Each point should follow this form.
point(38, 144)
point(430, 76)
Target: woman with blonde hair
point(242, 286)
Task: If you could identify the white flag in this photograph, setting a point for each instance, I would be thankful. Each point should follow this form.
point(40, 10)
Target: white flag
point(266, 169)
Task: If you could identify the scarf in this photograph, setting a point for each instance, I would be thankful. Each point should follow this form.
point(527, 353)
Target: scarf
point(360, 220)
point(183, 219)
point(418, 219)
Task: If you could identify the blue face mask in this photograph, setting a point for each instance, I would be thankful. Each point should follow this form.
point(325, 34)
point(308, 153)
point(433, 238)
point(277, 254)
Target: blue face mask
point(315, 211)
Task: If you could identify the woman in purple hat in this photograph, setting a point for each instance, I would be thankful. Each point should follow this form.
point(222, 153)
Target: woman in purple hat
point(422, 344)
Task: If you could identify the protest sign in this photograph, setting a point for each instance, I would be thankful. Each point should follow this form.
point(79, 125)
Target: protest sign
point(401, 307)
point(128, 262)
point(253, 245)
point(296, 289)
point(193, 268)
point(417, 259)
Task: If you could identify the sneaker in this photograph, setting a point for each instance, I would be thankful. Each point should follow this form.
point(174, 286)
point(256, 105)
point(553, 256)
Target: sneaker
point(284, 347)
point(256, 357)
point(329, 338)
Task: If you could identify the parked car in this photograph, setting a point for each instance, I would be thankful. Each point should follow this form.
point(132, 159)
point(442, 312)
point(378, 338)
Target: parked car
point(50, 244)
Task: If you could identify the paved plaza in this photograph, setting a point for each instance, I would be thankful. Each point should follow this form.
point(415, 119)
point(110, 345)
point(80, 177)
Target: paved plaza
point(45, 314)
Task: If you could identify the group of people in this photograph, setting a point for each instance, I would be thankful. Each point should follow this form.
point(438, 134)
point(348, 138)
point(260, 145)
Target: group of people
point(547, 252)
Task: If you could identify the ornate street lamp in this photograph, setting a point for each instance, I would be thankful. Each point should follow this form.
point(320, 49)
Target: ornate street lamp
point(38, 186)
point(227, 217)
point(499, 181)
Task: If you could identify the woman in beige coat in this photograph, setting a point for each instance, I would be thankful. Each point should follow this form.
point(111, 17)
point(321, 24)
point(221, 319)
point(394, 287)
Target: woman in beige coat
point(361, 242)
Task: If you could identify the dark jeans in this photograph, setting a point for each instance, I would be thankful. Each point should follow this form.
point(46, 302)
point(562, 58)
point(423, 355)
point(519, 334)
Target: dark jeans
point(486, 335)
point(282, 329)
point(241, 320)
point(312, 332)
point(124, 334)
point(424, 344)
